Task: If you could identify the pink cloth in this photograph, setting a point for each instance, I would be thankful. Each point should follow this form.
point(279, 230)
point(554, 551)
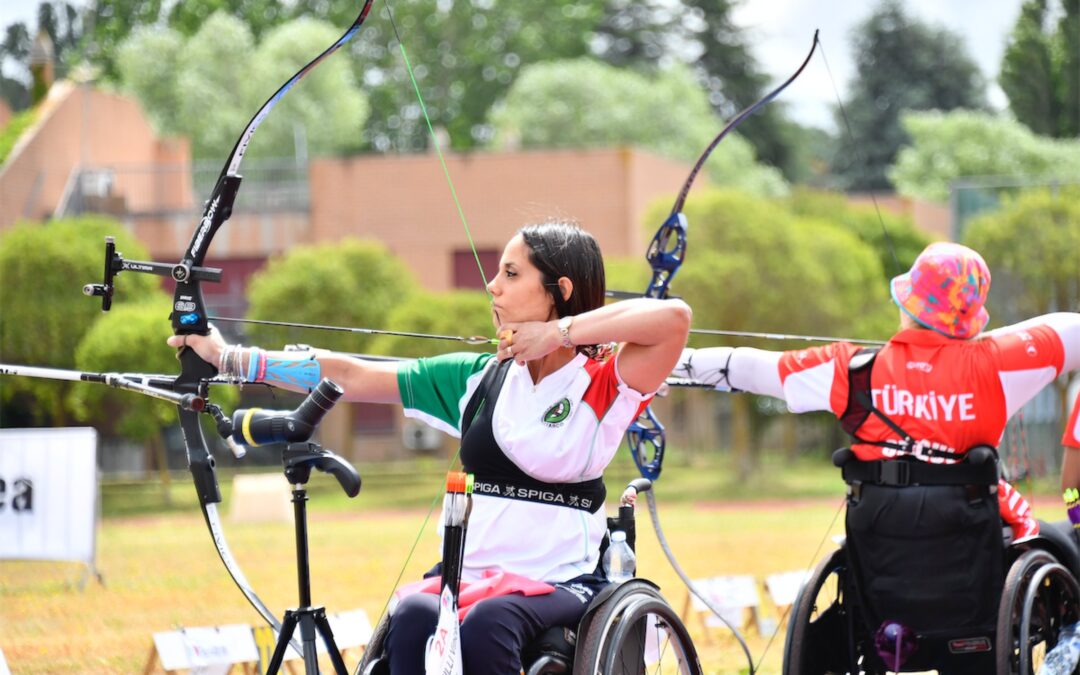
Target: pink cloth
point(493, 584)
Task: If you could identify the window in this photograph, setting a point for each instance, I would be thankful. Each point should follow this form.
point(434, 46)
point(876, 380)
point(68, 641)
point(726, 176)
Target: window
point(466, 275)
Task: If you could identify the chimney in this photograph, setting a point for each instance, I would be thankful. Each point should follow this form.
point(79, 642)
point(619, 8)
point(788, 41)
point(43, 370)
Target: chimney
point(41, 67)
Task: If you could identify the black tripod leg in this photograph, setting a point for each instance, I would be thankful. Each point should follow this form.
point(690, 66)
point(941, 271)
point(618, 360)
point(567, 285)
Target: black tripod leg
point(287, 628)
point(323, 625)
point(307, 636)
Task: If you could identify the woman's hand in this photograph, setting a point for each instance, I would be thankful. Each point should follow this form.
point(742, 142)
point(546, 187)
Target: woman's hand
point(528, 341)
point(208, 347)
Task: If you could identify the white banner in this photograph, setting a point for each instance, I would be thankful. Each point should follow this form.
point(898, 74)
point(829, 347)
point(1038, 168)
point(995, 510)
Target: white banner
point(48, 494)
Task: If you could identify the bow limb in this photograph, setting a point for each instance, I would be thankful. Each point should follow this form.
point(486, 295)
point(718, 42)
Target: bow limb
point(189, 316)
point(665, 256)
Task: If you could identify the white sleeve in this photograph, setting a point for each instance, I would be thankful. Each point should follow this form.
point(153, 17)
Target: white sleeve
point(725, 368)
point(1065, 324)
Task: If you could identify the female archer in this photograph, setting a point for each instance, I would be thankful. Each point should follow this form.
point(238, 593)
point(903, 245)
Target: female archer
point(546, 416)
point(938, 387)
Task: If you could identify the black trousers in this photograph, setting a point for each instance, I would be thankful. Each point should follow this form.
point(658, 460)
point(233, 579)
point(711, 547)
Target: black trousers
point(494, 632)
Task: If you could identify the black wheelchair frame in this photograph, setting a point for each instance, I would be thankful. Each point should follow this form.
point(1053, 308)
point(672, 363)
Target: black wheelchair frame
point(827, 631)
point(611, 638)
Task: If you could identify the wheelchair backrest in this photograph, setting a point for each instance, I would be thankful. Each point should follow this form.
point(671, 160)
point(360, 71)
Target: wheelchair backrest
point(925, 543)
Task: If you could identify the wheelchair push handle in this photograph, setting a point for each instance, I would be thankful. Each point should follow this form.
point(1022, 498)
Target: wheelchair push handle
point(629, 495)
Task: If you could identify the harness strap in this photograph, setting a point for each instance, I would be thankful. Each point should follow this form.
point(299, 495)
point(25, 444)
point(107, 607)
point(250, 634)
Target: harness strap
point(860, 406)
point(506, 480)
point(491, 384)
point(903, 472)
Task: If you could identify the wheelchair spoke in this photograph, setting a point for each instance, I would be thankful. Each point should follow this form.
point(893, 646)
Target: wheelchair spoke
point(636, 632)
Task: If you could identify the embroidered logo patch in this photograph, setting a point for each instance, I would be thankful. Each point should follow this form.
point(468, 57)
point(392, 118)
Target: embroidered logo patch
point(557, 413)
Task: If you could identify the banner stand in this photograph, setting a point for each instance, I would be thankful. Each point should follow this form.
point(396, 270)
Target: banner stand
point(50, 502)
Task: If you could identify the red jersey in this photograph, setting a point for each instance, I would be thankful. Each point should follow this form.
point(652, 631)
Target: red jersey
point(949, 395)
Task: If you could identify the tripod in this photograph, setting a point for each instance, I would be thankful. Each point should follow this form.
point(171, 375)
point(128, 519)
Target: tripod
point(299, 459)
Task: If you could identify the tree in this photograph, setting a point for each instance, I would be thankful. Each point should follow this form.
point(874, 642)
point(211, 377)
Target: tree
point(43, 313)
point(961, 143)
point(1024, 243)
point(465, 313)
point(726, 66)
point(345, 283)
point(465, 55)
point(635, 33)
point(327, 108)
point(1040, 69)
point(1067, 57)
point(1030, 246)
point(213, 84)
point(59, 20)
point(206, 87)
point(757, 266)
point(901, 64)
point(153, 81)
point(895, 238)
point(586, 103)
point(108, 24)
point(260, 16)
point(131, 338)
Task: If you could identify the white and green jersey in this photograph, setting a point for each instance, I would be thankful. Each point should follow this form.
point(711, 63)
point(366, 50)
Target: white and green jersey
point(566, 429)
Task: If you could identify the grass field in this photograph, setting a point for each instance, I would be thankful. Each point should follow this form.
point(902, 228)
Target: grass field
point(161, 571)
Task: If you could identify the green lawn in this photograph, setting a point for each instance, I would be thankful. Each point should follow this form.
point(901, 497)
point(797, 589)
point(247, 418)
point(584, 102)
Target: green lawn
point(161, 571)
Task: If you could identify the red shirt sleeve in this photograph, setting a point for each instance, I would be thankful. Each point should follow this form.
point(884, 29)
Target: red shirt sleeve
point(813, 376)
point(605, 387)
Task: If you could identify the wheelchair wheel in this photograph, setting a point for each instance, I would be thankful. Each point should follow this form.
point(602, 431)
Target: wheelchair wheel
point(373, 663)
point(635, 631)
point(1040, 598)
point(823, 634)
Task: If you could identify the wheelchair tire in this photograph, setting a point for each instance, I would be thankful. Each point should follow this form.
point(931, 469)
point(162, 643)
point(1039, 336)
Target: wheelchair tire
point(1041, 597)
point(372, 662)
point(823, 636)
point(615, 638)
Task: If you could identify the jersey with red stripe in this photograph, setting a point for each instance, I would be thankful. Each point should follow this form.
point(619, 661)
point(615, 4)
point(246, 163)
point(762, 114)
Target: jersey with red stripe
point(950, 395)
point(564, 429)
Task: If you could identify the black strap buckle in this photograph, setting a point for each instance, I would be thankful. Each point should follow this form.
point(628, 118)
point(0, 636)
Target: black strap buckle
point(895, 472)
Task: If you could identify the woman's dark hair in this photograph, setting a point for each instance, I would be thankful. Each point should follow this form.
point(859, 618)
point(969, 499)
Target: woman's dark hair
point(562, 249)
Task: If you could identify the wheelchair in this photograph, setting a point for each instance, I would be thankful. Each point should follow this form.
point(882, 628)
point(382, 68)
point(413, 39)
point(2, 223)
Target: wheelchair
point(627, 629)
point(927, 578)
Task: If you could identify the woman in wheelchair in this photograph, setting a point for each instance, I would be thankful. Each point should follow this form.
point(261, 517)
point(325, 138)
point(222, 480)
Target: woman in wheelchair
point(928, 558)
point(939, 386)
point(539, 422)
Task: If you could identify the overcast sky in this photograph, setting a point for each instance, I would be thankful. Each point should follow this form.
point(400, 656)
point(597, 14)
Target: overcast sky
point(781, 32)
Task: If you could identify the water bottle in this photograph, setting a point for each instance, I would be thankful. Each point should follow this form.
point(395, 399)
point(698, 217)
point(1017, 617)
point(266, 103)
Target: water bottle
point(619, 561)
point(1062, 659)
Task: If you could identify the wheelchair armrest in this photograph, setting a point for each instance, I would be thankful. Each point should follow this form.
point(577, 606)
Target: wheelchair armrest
point(1060, 540)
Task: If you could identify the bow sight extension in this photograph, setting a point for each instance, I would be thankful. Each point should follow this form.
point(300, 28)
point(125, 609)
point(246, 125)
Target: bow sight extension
point(115, 263)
